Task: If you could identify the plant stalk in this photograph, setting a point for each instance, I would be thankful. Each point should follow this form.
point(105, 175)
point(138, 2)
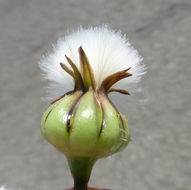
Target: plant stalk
point(81, 170)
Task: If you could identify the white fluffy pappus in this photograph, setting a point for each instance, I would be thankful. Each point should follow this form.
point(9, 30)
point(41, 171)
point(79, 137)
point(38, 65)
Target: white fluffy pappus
point(108, 52)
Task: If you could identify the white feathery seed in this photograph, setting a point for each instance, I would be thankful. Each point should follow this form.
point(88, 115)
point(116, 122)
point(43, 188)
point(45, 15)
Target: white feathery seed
point(108, 52)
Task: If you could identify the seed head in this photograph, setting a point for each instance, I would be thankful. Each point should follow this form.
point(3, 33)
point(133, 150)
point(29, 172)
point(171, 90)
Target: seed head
point(107, 52)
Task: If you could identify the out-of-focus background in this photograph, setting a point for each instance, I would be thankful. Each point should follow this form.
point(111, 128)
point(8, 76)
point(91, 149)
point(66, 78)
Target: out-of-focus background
point(159, 155)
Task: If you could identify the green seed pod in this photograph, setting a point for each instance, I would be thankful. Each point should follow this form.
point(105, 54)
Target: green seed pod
point(85, 125)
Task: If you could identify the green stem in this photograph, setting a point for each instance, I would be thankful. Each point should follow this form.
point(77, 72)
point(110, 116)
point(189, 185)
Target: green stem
point(81, 170)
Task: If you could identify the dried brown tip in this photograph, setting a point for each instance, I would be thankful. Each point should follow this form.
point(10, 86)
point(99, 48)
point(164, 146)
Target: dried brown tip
point(86, 70)
point(119, 90)
point(114, 78)
point(77, 76)
point(65, 68)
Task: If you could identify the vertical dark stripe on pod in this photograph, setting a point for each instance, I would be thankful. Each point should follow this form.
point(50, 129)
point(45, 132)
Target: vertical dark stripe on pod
point(56, 104)
point(71, 112)
point(103, 119)
point(122, 123)
point(117, 112)
point(48, 115)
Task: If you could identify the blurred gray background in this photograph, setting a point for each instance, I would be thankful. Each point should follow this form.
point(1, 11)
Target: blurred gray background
point(159, 155)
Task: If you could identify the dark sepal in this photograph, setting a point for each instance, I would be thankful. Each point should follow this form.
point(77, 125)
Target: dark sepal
point(109, 81)
point(79, 85)
point(87, 72)
point(119, 90)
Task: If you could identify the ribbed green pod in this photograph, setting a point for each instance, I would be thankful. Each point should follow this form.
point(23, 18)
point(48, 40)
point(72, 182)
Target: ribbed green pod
point(85, 125)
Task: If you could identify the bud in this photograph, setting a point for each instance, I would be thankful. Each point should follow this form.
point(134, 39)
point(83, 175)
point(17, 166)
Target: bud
point(83, 123)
